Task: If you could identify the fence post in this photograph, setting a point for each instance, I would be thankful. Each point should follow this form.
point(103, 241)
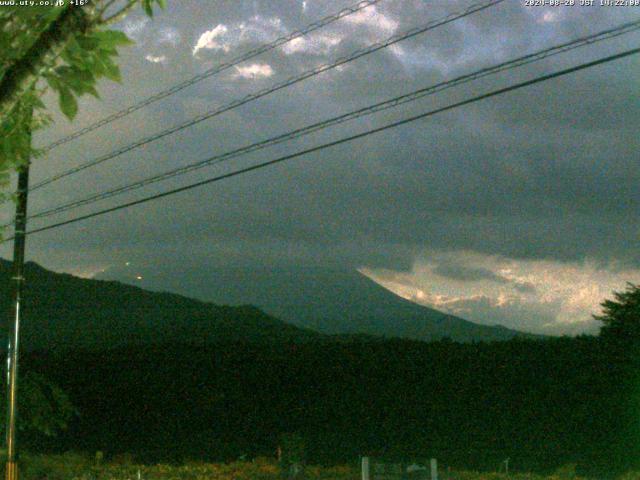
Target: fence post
point(366, 469)
point(434, 469)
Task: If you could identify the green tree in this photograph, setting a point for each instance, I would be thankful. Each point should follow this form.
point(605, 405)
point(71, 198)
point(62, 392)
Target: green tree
point(621, 317)
point(67, 48)
point(44, 407)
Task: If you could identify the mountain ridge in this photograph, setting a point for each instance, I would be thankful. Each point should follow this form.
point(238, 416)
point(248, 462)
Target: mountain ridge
point(64, 311)
point(330, 301)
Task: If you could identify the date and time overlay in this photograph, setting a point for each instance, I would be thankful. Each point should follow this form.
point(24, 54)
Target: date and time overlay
point(581, 3)
point(526, 3)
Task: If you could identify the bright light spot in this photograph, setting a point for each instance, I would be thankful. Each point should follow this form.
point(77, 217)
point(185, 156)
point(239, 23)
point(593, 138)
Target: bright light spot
point(138, 277)
point(254, 71)
point(296, 45)
point(89, 272)
point(156, 59)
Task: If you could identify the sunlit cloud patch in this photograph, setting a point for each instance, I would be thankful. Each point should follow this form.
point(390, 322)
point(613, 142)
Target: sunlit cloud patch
point(156, 58)
point(225, 37)
point(542, 296)
point(253, 71)
point(211, 40)
point(316, 44)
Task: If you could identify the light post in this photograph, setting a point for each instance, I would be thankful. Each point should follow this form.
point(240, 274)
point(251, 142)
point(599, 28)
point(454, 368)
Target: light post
point(17, 280)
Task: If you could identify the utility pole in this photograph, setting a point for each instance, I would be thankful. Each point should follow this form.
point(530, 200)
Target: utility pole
point(17, 279)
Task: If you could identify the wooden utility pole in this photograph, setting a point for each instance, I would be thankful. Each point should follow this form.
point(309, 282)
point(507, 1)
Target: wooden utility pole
point(17, 280)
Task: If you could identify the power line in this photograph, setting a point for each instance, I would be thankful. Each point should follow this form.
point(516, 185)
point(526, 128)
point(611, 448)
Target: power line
point(476, 7)
point(340, 141)
point(221, 67)
point(371, 109)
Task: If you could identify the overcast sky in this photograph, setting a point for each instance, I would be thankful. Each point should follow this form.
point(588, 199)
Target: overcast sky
point(520, 210)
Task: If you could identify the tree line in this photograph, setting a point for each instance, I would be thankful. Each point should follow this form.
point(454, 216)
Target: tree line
point(542, 403)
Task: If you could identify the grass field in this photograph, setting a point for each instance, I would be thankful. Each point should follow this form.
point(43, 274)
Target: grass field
point(71, 466)
point(78, 467)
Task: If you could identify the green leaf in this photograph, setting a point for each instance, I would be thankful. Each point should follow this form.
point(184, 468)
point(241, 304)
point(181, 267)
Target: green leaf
point(112, 71)
point(110, 39)
point(73, 51)
point(89, 42)
point(68, 103)
point(146, 5)
point(90, 89)
point(77, 79)
point(96, 66)
point(53, 81)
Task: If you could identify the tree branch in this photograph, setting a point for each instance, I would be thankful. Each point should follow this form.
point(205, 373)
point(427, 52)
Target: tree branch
point(119, 15)
point(23, 74)
point(106, 7)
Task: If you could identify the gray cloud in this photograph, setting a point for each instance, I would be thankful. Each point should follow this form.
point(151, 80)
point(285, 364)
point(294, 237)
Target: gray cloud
point(548, 172)
point(525, 287)
point(545, 296)
point(466, 273)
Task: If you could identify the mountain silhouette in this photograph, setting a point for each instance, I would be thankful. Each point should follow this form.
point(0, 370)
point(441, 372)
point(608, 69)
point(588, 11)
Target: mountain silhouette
point(330, 301)
point(62, 311)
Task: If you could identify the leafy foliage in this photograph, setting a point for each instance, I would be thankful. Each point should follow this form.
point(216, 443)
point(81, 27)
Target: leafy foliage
point(44, 407)
point(291, 446)
point(86, 59)
point(621, 317)
point(15, 137)
point(71, 67)
point(469, 405)
point(147, 5)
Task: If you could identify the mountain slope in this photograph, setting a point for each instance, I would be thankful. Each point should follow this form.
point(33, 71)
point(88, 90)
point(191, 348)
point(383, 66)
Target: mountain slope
point(348, 302)
point(62, 311)
point(328, 301)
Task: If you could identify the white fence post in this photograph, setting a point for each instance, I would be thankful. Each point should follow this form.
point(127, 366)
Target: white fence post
point(434, 469)
point(366, 469)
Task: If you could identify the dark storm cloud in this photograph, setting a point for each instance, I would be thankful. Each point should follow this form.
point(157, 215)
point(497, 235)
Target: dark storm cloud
point(454, 270)
point(525, 287)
